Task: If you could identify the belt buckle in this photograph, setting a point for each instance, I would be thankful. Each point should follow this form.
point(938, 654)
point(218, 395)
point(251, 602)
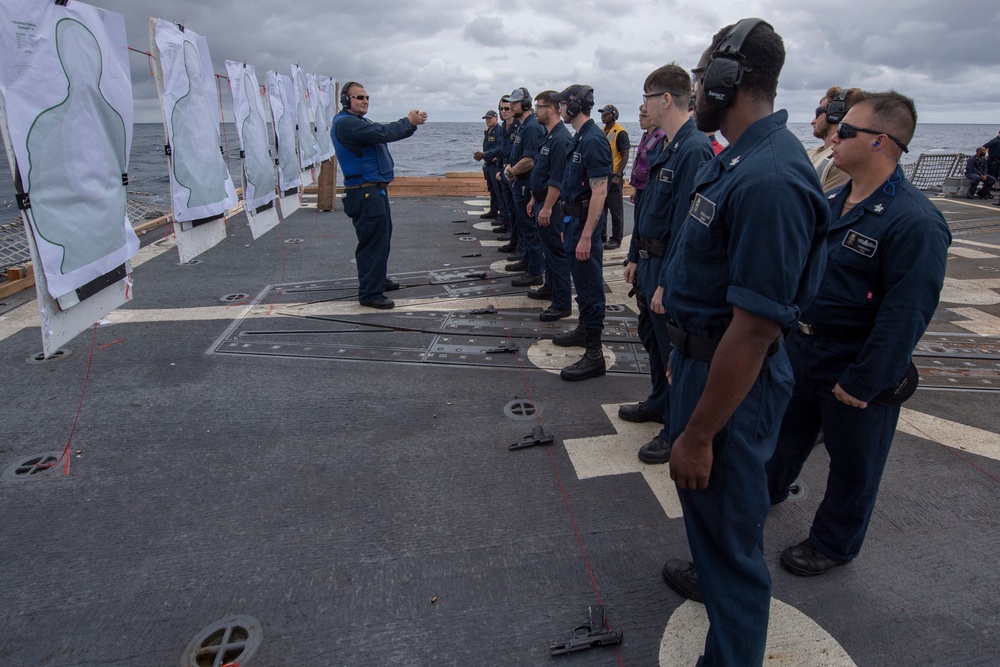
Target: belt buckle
point(806, 329)
point(644, 254)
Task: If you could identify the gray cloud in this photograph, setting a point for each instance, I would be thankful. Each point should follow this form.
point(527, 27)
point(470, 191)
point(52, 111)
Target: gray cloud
point(454, 58)
point(486, 30)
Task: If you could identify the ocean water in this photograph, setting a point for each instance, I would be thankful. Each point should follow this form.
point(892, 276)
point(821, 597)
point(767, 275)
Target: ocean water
point(436, 148)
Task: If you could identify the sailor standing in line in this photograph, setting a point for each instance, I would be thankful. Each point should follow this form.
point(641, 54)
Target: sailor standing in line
point(829, 113)
point(367, 167)
point(618, 140)
point(649, 143)
point(546, 179)
point(584, 190)
point(527, 140)
point(886, 257)
point(747, 258)
point(662, 212)
point(509, 129)
point(491, 137)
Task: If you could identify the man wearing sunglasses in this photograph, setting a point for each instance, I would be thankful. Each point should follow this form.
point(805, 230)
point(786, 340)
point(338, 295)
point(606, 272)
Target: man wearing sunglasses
point(747, 256)
point(367, 167)
point(829, 113)
point(850, 351)
point(508, 131)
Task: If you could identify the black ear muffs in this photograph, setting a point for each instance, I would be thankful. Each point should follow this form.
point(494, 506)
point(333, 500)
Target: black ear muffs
point(725, 67)
point(836, 108)
point(345, 95)
point(574, 105)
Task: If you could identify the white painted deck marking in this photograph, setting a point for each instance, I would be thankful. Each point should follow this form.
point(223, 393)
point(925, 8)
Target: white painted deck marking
point(950, 434)
point(793, 639)
point(977, 321)
point(969, 253)
point(977, 292)
point(546, 355)
point(979, 244)
point(616, 455)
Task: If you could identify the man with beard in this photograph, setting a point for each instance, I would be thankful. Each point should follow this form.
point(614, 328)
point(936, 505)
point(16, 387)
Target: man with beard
point(829, 113)
point(748, 257)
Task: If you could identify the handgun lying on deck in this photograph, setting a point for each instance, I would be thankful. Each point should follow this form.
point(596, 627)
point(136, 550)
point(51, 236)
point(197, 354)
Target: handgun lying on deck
point(588, 636)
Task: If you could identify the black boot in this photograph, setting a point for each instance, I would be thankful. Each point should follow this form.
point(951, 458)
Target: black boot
point(575, 338)
point(592, 363)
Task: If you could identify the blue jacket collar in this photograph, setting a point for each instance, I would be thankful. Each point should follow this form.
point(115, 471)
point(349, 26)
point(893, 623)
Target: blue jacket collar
point(731, 157)
point(877, 203)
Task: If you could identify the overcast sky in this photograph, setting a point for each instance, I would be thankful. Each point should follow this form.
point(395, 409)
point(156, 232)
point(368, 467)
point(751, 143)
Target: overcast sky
point(454, 58)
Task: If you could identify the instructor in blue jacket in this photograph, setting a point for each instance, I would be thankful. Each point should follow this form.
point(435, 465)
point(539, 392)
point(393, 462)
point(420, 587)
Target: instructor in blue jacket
point(367, 167)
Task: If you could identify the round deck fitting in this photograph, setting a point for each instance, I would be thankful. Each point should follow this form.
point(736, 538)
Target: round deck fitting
point(239, 296)
point(522, 409)
point(32, 467)
point(798, 490)
point(40, 358)
point(228, 641)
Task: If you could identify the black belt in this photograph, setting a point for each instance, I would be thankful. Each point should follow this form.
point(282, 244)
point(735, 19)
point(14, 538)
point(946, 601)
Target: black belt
point(576, 210)
point(835, 331)
point(701, 348)
point(651, 247)
point(365, 185)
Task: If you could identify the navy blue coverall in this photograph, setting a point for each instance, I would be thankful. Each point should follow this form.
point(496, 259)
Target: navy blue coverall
point(885, 267)
point(589, 157)
point(367, 167)
point(754, 239)
point(548, 172)
point(527, 140)
point(506, 194)
point(672, 169)
point(491, 149)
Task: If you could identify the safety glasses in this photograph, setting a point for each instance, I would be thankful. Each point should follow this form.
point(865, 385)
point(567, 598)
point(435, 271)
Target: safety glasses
point(845, 131)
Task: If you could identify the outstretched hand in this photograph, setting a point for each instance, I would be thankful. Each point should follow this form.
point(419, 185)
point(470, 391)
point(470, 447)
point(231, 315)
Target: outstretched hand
point(417, 117)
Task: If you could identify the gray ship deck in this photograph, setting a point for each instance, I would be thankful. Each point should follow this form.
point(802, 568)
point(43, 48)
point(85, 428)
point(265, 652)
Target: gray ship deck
point(254, 445)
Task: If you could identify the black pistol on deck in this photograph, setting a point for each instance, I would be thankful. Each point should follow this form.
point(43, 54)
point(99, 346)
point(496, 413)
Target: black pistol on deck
point(588, 636)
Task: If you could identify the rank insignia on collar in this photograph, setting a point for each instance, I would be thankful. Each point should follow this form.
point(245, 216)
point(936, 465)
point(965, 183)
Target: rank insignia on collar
point(878, 208)
point(735, 161)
